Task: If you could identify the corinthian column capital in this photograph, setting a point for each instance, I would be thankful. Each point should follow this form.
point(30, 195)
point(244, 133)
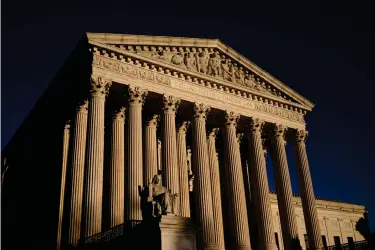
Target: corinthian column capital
point(153, 121)
point(99, 86)
point(119, 113)
point(301, 135)
point(231, 118)
point(239, 137)
point(136, 95)
point(171, 104)
point(67, 124)
point(213, 133)
point(82, 107)
point(256, 125)
point(201, 111)
point(279, 130)
point(183, 127)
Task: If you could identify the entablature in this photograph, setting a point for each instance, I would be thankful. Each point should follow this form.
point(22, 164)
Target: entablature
point(251, 95)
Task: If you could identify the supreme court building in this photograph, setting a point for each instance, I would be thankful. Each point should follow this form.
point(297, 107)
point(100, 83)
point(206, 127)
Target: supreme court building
point(124, 108)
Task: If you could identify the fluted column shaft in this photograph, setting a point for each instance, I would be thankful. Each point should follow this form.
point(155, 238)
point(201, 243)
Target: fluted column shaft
point(260, 185)
point(159, 155)
point(183, 170)
point(202, 180)
point(169, 150)
point(151, 149)
point(95, 156)
point(215, 189)
point(117, 168)
point(283, 187)
point(63, 179)
point(78, 166)
point(134, 171)
point(307, 192)
point(235, 185)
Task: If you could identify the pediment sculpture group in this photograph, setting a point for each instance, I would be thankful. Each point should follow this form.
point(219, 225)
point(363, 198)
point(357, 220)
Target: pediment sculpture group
point(210, 63)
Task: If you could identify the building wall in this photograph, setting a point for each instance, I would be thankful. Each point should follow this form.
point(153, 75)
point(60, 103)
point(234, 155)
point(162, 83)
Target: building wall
point(335, 219)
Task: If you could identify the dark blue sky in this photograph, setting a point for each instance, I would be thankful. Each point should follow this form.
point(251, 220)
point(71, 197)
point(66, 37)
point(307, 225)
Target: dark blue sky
point(326, 52)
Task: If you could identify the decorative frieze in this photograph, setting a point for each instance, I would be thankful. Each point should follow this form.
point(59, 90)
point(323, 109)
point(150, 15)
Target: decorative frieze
point(135, 69)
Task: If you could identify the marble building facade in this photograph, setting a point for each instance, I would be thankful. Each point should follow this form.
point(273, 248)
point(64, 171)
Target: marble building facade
point(204, 117)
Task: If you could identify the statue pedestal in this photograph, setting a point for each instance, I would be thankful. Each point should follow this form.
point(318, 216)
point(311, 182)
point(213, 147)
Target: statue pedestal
point(177, 233)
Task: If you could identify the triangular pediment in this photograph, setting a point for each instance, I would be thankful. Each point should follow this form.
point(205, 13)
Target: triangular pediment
point(209, 58)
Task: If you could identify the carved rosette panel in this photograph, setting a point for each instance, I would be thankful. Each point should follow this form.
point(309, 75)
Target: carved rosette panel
point(170, 104)
point(99, 86)
point(153, 121)
point(119, 114)
point(301, 135)
point(201, 111)
point(231, 118)
point(136, 95)
point(208, 61)
point(183, 127)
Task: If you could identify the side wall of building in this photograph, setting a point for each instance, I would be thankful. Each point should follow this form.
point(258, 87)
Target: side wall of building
point(335, 219)
point(31, 184)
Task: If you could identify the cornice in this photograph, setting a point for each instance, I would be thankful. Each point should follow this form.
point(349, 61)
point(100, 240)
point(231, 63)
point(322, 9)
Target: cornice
point(198, 42)
point(168, 69)
point(327, 204)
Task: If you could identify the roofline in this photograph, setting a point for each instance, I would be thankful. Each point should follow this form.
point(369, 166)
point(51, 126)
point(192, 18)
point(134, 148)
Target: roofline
point(186, 41)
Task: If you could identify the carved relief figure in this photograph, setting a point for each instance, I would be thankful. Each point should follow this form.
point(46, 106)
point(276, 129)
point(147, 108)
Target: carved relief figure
point(202, 61)
point(190, 61)
point(177, 59)
point(214, 68)
point(162, 55)
point(240, 76)
point(248, 81)
point(226, 69)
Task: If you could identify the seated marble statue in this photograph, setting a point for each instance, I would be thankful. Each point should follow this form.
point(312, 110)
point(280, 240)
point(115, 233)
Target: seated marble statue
point(159, 196)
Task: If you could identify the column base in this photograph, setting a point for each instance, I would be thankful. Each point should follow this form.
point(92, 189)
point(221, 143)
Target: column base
point(270, 247)
point(244, 247)
point(210, 246)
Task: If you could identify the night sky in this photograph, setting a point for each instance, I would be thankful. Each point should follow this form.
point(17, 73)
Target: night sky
point(326, 52)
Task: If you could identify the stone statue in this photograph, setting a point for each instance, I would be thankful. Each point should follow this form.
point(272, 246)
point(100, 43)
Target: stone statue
point(157, 200)
point(159, 196)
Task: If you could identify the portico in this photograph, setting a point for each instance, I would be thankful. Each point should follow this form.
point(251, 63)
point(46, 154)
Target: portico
point(183, 92)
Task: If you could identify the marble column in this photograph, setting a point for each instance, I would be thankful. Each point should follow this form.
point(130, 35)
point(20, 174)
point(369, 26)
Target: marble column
point(235, 185)
point(63, 179)
point(307, 192)
point(77, 172)
point(150, 165)
point(95, 156)
point(169, 147)
point(159, 155)
point(283, 187)
point(259, 184)
point(202, 180)
point(117, 168)
point(215, 189)
point(134, 173)
point(188, 157)
point(183, 169)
